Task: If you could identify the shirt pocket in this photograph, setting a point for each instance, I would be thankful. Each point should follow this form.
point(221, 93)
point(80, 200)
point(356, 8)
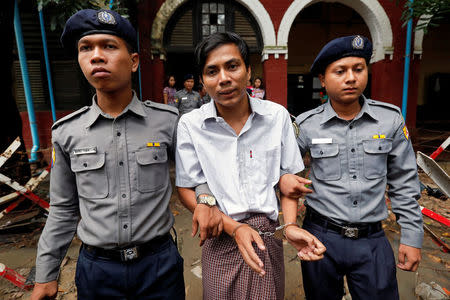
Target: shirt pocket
point(375, 157)
point(152, 169)
point(326, 163)
point(90, 170)
point(263, 165)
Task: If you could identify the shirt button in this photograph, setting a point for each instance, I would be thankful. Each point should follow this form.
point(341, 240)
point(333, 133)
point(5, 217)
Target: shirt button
point(351, 126)
point(118, 133)
point(321, 152)
point(354, 176)
point(120, 163)
point(353, 150)
point(379, 148)
point(123, 195)
point(155, 157)
point(355, 202)
point(85, 165)
point(125, 226)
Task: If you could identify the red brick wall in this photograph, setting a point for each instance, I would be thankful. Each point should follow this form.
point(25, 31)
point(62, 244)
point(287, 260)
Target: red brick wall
point(276, 10)
point(275, 76)
point(152, 70)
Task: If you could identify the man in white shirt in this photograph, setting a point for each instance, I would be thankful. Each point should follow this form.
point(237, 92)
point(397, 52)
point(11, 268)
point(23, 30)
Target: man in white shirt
point(238, 145)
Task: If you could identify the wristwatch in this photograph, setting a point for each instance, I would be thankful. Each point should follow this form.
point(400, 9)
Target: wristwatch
point(206, 199)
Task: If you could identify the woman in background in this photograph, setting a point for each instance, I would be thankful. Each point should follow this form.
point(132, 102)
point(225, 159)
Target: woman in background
point(258, 90)
point(169, 90)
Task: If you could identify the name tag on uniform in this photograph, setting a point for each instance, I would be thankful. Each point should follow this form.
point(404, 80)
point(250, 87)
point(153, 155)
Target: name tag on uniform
point(88, 150)
point(322, 141)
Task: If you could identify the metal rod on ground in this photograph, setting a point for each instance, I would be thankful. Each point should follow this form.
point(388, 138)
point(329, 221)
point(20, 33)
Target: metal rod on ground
point(440, 148)
point(14, 277)
point(436, 239)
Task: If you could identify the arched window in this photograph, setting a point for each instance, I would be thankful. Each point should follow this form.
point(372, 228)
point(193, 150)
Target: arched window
point(195, 20)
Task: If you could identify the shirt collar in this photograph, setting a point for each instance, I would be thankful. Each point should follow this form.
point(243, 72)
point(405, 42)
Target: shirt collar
point(329, 112)
point(95, 111)
point(256, 105)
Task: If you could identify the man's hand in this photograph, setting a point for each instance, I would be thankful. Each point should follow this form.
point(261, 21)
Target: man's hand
point(308, 246)
point(245, 236)
point(209, 219)
point(46, 290)
point(293, 186)
point(408, 258)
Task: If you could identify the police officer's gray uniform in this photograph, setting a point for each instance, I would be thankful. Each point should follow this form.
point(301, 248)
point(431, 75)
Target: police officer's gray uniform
point(187, 101)
point(109, 181)
point(352, 161)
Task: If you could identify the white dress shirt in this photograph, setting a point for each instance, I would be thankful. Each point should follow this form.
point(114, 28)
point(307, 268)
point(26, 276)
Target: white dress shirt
point(241, 170)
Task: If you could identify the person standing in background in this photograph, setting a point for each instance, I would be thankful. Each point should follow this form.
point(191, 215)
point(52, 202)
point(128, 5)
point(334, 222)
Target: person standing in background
point(169, 90)
point(258, 89)
point(203, 94)
point(187, 99)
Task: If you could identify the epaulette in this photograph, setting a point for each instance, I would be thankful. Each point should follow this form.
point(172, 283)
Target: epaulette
point(302, 117)
point(161, 106)
point(69, 116)
point(384, 104)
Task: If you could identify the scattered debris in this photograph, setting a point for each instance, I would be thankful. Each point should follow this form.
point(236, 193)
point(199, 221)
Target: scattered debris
point(197, 271)
point(434, 171)
point(14, 277)
point(432, 291)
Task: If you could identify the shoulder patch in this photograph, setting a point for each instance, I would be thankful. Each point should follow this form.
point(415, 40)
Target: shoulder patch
point(384, 104)
point(302, 117)
point(69, 116)
point(161, 106)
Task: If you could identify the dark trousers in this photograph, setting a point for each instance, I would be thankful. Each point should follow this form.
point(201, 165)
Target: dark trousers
point(368, 263)
point(158, 275)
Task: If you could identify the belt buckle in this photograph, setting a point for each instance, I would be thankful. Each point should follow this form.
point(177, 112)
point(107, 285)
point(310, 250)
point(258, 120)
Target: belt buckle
point(350, 232)
point(129, 254)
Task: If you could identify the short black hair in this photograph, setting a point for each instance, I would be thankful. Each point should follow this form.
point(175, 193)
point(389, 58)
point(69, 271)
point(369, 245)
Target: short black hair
point(215, 40)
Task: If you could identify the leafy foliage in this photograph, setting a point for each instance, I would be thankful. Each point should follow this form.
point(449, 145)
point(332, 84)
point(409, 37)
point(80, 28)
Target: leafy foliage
point(61, 10)
point(428, 12)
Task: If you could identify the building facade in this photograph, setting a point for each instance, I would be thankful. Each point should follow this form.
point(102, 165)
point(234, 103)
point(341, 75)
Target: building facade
point(284, 38)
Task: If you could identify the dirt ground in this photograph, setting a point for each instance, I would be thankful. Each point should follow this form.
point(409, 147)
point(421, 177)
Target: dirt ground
point(18, 250)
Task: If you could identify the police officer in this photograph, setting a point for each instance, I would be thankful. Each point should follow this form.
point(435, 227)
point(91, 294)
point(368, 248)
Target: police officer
point(187, 99)
point(110, 178)
point(357, 147)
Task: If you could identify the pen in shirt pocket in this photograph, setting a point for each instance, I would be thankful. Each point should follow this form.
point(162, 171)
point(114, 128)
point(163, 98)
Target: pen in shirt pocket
point(251, 154)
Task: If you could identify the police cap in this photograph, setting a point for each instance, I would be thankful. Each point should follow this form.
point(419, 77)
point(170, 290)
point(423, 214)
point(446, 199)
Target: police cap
point(188, 76)
point(354, 45)
point(90, 21)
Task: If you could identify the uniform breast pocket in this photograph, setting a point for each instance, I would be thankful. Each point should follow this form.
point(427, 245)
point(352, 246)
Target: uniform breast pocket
point(90, 171)
point(375, 157)
point(326, 163)
point(152, 169)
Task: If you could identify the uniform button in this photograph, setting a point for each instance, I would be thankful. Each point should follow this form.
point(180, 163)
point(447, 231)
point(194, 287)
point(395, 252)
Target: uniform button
point(120, 163)
point(118, 133)
point(85, 165)
point(355, 202)
point(353, 150)
point(354, 176)
point(379, 148)
point(351, 126)
point(155, 157)
point(123, 195)
point(125, 226)
point(321, 152)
